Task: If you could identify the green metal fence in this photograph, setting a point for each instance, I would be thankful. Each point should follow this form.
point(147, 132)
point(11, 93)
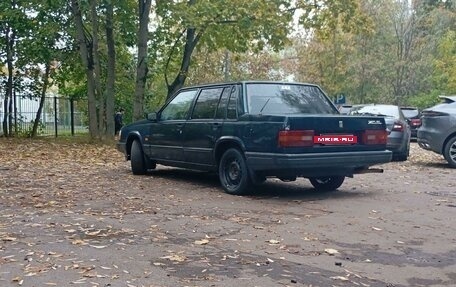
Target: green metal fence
point(59, 116)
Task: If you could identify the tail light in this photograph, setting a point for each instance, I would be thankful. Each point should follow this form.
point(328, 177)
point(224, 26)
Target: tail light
point(297, 138)
point(415, 122)
point(374, 137)
point(398, 127)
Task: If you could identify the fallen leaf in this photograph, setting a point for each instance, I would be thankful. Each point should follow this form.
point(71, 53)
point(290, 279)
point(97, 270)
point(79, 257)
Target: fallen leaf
point(98, 246)
point(339, 278)
point(202, 242)
point(331, 251)
point(175, 257)
point(9, 238)
point(78, 242)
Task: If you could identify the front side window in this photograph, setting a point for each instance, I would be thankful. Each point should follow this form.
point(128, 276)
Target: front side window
point(178, 108)
point(206, 104)
point(274, 98)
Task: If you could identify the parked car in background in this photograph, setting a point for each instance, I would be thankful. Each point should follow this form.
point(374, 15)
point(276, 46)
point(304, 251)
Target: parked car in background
point(344, 109)
point(438, 130)
point(413, 115)
point(248, 131)
point(399, 132)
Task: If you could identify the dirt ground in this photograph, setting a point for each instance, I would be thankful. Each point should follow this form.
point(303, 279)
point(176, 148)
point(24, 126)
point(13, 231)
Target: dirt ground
point(72, 214)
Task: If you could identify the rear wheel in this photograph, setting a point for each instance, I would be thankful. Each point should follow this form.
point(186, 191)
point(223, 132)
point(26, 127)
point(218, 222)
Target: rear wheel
point(139, 162)
point(233, 172)
point(327, 183)
point(403, 155)
point(450, 152)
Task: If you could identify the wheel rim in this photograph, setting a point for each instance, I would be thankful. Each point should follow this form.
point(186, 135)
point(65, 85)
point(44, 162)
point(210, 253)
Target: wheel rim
point(233, 172)
point(452, 152)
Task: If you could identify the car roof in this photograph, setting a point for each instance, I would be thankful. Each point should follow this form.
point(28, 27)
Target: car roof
point(248, 82)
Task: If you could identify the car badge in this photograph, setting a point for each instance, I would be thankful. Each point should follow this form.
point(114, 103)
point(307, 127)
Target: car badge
point(374, 122)
point(341, 124)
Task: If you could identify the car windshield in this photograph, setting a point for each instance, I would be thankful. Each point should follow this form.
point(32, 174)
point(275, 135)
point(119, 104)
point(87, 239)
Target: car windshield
point(410, 113)
point(376, 110)
point(273, 98)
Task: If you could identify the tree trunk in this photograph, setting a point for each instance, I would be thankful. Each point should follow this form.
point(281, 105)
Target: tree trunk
point(85, 50)
point(99, 96)
point(111, 73)
point(190, 44)
point(141, 70)
point(42, 99)
point(7, 104)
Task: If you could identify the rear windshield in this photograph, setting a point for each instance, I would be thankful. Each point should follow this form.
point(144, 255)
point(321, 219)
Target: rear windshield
point(410, 113)
point(265, 98)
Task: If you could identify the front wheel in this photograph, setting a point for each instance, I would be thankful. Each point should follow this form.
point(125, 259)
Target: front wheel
point(233, 172)
point(328, 183)
point(139, 162)
point(450, 152)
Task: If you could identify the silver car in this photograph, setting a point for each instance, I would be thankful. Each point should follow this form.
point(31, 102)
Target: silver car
point(438, 130)
point(399, 132)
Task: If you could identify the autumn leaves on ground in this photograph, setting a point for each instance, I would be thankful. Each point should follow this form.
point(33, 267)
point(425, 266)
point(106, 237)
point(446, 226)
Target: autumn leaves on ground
point(72, 213)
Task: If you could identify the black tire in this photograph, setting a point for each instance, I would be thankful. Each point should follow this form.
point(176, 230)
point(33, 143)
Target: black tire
point(327, 183)
point(449, 152)
point(233, 172)
point(403, 156)
point(138, 161)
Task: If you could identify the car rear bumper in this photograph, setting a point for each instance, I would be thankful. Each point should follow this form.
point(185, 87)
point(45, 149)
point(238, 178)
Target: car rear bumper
point(316, 163)
point(430, 140)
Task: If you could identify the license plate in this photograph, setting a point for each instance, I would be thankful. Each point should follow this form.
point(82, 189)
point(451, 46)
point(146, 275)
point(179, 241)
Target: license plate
point(335, 139)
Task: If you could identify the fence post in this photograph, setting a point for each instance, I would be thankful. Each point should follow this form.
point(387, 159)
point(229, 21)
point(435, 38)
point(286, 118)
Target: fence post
point(55, 115)
point(72, 116)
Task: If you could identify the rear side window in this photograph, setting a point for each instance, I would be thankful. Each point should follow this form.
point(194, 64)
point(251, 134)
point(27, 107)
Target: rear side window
point(178, 107)
point(206, 104)
point(265, 98)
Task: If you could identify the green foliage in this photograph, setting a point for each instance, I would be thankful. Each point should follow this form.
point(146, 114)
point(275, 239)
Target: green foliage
point(445, 64)
point(212, 25)
point(326, 16)
point(423, 101)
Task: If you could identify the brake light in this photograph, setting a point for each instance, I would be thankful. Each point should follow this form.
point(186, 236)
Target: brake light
point(398, 127)
point(415, 122)
point(374, 137)
point(297, 138)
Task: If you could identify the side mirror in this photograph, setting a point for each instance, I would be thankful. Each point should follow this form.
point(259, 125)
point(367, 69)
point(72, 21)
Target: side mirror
point(152, 117)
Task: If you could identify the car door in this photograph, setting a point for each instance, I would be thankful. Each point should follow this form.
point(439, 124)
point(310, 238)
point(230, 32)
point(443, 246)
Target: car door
point(166, 140)
point(204, 126)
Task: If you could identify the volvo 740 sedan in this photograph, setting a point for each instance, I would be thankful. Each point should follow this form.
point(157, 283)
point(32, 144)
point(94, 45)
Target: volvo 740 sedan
point(249, 131)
